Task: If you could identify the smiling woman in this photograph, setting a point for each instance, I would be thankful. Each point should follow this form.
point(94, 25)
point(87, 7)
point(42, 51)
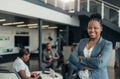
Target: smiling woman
point(91, 54)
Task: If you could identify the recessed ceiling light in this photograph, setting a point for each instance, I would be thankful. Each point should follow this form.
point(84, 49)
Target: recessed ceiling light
point(33, 27)
point(29, 25)
point(2, 20)
point(53, 27)
point(12, 23)
point(35, 24)
point(45, 26)
point(24, 25)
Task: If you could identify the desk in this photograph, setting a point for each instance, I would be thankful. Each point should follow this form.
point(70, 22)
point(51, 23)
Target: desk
point(49, 75)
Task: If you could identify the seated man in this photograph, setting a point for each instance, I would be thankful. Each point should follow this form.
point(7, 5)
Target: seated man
point(21, 69)
point(50, 58)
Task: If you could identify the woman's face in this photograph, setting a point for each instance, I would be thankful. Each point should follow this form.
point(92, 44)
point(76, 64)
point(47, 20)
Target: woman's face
point(26, 57)
point(94, 29)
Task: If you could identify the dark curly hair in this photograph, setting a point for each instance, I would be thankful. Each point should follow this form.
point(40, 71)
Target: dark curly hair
point(96, 17)
point(23, 52)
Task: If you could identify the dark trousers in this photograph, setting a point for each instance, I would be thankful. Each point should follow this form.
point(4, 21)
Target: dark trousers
point(117, 73)
point(68, 70)
point(52, 65)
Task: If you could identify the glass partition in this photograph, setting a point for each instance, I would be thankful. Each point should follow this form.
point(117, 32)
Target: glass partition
point(67, 6)
point(71, 5)
point(95, 7)
point(110, 12)
point(83, 5)
point(51, 2)
point(111, 15)
point(60, 4)
point(42, 0)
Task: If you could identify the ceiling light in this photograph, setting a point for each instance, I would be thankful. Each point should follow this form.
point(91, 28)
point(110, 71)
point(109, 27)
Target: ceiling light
point(45, 26)
point(61, 30)
point(35, 24)
point(53, 27)
point(5, 24)
point(33, 27)
point(18, 22)
point(12, 23)
point(24, 25)
point(2, 20)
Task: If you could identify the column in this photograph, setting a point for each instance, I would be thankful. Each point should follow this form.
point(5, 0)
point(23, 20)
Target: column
point(40, 41)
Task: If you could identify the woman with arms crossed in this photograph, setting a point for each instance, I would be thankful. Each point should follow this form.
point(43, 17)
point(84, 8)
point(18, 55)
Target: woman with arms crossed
point(92, 54)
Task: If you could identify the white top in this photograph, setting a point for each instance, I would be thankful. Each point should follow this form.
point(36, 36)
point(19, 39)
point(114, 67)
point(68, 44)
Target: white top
point(19, 65)
point(84, 74)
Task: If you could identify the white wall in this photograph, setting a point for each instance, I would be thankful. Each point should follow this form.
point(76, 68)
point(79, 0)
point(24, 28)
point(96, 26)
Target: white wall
point(46, 33)
point(33, 34)
point(21, 7)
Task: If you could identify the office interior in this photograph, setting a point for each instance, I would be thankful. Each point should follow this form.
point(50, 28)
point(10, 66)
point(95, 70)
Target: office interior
point(33, 23)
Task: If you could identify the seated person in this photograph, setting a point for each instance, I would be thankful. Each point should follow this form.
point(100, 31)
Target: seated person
point(50, 58)
point(21, 69)
point(67, 68)
point(117, 63)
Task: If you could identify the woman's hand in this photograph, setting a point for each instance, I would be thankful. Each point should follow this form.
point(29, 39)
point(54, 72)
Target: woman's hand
point(54, 58)
point(35, 75)
point(88, 68)
point(81, 57)
point(50, 60)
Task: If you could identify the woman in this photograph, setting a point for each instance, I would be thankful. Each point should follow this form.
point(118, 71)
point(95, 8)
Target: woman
point(91, 54)
point(21, 69)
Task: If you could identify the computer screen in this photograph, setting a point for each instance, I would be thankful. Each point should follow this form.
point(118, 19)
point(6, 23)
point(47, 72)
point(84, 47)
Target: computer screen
point(21, 41)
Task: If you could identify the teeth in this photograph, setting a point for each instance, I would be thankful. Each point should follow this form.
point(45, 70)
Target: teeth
point(92, 34)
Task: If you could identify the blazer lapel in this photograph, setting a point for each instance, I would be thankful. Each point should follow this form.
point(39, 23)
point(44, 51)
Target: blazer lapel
point(97, 48)
point(82, 46)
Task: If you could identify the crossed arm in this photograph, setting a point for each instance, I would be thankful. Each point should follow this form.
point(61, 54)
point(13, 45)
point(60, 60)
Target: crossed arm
point(94, 62)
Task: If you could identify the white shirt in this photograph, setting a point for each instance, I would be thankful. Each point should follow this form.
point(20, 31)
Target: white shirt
point(19, 65)
point(84, 74)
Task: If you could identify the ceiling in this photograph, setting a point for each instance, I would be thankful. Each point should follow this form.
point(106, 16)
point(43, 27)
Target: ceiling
point(15, 21)
point(12, 19)
point(26, 20)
